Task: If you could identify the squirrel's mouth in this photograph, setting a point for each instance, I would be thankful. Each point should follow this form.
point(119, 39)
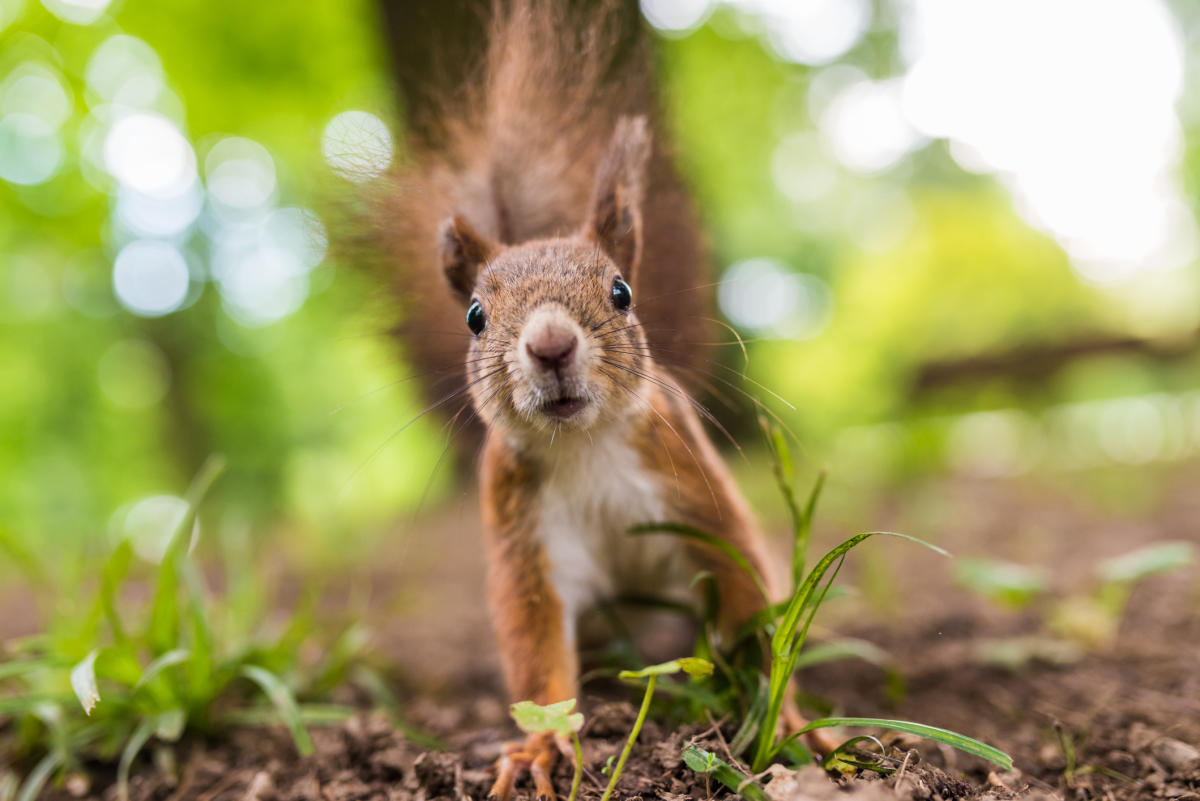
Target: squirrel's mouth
point(564, 408)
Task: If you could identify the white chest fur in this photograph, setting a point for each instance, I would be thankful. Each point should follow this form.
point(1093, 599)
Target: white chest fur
point(593, 493)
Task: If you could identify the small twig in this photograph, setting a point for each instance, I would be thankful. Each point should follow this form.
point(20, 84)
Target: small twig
point(716, 727)
point(903, 768)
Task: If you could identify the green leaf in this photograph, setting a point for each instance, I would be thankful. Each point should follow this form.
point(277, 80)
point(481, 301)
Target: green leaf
point(842, 649)
point(1006, 582)
point(170, 725)
point(200, 667)
point(950, 738)
point(693, 666)
point(789, 637)
point(722, 545)
point(174, 657)
point(143, 732)
point(164, 609)
point(21, 667)
point(310, 715)
point(115, 570)
point(38, 776)
point(706, 762)
point(284, 702)
point(532, 718)
point(803, 534)
point(83, 682)
point(1134, 566)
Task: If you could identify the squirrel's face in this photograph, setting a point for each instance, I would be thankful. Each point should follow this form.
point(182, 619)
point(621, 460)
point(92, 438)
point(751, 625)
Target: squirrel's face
point(555, 341)
point(556, 344)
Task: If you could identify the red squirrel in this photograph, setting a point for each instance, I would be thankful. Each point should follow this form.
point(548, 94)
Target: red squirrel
point(542, 185)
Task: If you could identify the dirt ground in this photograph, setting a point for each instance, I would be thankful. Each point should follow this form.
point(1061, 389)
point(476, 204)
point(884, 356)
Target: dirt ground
point(1118, 722)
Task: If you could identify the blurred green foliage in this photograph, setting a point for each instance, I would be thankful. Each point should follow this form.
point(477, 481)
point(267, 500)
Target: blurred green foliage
point(100, 407)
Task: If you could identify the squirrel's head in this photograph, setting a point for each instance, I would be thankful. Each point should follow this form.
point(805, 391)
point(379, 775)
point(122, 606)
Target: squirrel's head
point(555, 338)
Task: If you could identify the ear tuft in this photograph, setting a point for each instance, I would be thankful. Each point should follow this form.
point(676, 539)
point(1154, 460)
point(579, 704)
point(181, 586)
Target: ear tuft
point(462, 252)
point(615, 221)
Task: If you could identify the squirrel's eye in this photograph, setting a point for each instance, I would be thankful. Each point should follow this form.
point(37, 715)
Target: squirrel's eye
point(622, 295)
point(476, 319)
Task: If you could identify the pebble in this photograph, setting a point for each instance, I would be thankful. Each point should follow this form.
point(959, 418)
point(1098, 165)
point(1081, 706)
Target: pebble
point(1176, 754)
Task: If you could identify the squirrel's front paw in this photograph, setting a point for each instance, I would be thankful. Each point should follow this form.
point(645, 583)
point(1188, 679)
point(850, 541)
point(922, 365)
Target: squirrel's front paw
point(537, 755)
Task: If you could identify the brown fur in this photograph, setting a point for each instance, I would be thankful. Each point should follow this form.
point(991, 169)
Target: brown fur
point(514, 152)
point(540, 197)
point(628, 397)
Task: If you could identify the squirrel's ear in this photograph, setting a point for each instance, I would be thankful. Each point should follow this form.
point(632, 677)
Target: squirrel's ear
point(462, 252)
point(615, 221)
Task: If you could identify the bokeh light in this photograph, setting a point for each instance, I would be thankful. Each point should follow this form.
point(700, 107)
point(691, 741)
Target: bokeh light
point(146, 152)
point(357, 145)
point(864, 127)
point(30, 151)
point(10, 11)
point(150, 277)
point(125, 70)
point(676, 16)
point(80, 12)
point(810, 31)
point(149, 216)
point(799, 31)
point(1088, 142)
point(763, 296)
point(240, 175)
point(800, 169)
point(38, 90)
point(149, 523)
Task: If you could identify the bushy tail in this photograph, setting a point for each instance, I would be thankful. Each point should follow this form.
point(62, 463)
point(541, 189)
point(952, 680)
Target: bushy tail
point(514, 150)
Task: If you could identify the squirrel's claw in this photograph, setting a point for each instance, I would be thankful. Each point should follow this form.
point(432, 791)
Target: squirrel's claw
point(537, 755)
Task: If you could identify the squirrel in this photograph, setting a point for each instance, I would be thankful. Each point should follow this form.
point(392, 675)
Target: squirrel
point(538, 202)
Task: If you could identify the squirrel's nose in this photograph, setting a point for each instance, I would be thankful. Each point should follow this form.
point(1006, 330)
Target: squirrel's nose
point(552, 347)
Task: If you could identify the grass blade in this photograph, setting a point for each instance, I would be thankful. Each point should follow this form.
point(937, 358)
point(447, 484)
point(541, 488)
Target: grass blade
point(164, 610)
point(284, 703)
point(310, 715)
point(114, 572)
point(174, 657)
point(804, 529)
point(950, 738)
point(788, 640)
point(843, 649)
point(712, 540)
point(18, 668)
point(8, 786)
point(1159, 557)
point(133, 746)
point(38, 776)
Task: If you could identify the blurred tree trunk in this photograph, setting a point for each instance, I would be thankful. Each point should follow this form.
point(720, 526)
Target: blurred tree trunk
point(1035, 363)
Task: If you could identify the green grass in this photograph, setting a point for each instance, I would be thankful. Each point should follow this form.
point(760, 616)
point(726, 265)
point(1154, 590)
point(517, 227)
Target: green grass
point(754, 673)
point(110, 679)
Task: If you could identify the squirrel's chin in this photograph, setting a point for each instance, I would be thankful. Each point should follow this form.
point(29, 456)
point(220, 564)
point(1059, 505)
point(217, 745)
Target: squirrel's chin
point(564, 408)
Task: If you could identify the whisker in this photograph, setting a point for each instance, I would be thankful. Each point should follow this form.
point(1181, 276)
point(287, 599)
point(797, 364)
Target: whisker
point(695, 288)
point(443, 372)
point(666, 450)
point(679, 393)
point(423, 412)
point(683, 442)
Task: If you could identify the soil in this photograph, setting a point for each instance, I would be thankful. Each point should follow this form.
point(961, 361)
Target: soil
point(1119, 721)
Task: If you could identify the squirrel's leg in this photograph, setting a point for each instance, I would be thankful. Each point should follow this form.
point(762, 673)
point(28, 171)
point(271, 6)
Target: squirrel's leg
point(537, 653)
